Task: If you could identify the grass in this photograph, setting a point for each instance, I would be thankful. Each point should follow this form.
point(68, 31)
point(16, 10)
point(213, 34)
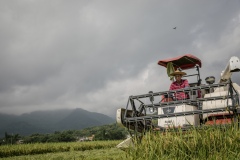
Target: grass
point(94, 154)
point(44, 148)
point(207, 143)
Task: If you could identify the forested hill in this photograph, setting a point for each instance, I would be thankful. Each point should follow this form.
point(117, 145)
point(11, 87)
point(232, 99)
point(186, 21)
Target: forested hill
point(51, 121)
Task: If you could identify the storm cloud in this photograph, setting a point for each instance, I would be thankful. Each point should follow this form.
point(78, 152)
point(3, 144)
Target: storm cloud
point(94, 54)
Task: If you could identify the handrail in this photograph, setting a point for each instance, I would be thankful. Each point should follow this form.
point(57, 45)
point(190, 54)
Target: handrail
point(148, 117)
point(180, 90)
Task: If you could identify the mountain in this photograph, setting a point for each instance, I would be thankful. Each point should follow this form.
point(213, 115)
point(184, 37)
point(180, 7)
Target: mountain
point(51, 121)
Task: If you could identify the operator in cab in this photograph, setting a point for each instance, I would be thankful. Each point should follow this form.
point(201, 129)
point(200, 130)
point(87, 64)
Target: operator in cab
point(179, 83)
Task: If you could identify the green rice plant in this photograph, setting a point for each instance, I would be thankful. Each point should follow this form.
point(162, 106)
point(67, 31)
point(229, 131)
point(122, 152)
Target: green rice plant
point(95, 154)
point(215, 142)
point(43, 148)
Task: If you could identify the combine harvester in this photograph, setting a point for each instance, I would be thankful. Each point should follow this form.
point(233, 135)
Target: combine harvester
point(208, 104)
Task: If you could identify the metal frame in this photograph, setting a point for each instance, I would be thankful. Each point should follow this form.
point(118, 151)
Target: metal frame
point(199, 80)
point(140, 121)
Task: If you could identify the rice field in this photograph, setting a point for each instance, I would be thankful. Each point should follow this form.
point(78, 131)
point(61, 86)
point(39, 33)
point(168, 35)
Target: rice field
point(211, 143)
point(72, 150)
point(95, 154)
point(214, 143)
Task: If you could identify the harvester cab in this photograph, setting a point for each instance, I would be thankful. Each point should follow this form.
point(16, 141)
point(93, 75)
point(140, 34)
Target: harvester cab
point(210, 103)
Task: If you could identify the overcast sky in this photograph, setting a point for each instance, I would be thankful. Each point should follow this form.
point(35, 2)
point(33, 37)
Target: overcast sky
point(94, 54)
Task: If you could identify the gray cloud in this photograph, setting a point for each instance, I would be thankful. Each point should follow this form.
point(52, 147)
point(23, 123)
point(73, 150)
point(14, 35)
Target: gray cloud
point(94, 54)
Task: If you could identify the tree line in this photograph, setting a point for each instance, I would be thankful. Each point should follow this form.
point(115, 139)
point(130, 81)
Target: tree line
point(106, 132)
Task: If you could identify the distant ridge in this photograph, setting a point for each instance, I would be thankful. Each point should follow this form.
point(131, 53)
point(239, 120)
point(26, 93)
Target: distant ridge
point(51, 121)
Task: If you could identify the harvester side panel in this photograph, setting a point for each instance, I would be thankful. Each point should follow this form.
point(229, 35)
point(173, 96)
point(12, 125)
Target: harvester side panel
point(181, 120)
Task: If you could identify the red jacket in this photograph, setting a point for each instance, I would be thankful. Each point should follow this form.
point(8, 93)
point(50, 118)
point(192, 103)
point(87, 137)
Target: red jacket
point(182, 84)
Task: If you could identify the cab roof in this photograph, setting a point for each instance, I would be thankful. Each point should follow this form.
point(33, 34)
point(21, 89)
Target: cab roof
point(184, 62)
